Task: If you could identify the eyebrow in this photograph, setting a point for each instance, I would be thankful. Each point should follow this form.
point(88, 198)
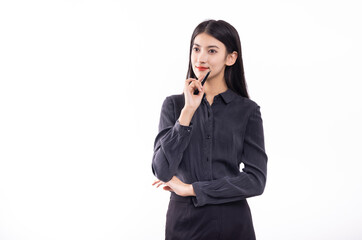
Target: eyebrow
point(211, 46)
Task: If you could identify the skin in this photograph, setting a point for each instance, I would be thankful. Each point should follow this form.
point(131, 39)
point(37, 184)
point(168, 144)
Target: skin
point(211, 53)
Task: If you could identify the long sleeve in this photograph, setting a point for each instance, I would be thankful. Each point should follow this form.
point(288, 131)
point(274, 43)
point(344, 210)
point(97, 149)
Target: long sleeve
point(170, 142)
point(251, 181)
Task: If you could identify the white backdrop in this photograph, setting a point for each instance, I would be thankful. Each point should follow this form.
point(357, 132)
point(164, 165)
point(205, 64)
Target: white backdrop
point(82, 83)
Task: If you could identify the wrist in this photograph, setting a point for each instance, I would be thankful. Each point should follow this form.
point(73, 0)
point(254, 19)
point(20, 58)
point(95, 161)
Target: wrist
point(191, 190)
point(186, 116)
point(188, 110)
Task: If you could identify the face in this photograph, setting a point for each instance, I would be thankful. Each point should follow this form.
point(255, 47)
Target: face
point(207, 54)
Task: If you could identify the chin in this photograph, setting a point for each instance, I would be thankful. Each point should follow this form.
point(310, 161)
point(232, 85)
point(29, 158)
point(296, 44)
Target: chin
point(201, 73)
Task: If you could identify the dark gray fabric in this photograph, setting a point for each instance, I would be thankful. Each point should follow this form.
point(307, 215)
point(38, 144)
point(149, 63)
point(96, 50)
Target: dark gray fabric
point(226, 221)
point(208, 153)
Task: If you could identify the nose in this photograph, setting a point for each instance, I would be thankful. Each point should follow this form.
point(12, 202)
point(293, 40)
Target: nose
point(202, 57)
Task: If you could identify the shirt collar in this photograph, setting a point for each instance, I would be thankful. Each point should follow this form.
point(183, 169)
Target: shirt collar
point(228, 95)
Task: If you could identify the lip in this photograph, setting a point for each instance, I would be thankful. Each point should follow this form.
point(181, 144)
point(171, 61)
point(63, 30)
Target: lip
point(202, 68)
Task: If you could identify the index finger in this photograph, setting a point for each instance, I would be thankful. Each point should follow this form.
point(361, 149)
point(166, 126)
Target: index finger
point(156, 181)
point(205, 77)
point(189, 80)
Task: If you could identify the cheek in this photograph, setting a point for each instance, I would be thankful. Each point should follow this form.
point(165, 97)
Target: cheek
point(193, 58)
point(217, 64)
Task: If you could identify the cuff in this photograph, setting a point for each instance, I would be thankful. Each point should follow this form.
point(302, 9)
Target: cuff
point(199, 200)
point(183, 130)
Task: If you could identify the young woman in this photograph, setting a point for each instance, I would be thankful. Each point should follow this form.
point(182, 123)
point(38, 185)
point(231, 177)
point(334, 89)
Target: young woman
point(204, 138)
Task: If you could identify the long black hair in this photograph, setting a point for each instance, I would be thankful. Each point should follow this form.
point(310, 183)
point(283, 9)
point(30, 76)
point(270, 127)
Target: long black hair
point(227, 34)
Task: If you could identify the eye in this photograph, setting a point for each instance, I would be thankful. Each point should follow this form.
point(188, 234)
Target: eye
point(196, 49)
point(212, 51)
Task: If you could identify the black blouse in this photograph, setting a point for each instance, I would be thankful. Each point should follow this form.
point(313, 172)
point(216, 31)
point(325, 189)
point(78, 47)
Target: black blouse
point(208, 153)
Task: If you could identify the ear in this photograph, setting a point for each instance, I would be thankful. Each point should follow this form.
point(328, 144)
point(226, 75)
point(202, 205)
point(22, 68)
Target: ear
point(231, 58)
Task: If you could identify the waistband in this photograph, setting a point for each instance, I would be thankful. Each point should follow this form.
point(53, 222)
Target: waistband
point(175, 197)
point(178, 198)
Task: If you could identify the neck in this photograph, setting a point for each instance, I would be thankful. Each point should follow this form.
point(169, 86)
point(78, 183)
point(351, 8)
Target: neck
point(215, 86)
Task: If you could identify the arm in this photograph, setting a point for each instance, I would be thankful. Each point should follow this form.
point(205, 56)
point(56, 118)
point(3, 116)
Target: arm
point(177, 186)
point(171, 141)
point(251, 181)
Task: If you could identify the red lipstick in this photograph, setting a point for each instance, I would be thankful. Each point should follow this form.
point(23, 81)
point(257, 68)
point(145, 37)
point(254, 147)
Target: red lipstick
point(202, 68)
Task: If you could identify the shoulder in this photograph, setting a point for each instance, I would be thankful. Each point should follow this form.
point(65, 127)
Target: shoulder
point(250, 111)
point(174, 103)
point(177, 100)
point(248, 107)
point(245, 103)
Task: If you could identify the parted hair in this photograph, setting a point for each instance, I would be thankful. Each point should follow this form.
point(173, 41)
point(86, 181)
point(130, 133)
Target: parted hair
point(227, 34)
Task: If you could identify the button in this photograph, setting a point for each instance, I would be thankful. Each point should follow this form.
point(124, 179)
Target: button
point(208, 136)
point(188, 130)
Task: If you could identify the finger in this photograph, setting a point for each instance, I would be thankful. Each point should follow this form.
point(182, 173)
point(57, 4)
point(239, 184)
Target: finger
point(201, 78)
point(198, 86)
point(160, 184)
point(189, 81)
point(191, 84)
point(195, 84)
point(191, 88)
point(167, 188)
point(156, 181)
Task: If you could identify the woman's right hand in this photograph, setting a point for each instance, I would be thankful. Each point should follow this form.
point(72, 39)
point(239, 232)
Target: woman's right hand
point(192, 102)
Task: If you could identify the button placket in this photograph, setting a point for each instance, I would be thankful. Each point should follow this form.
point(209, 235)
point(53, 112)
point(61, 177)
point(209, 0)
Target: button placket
point(209, 142)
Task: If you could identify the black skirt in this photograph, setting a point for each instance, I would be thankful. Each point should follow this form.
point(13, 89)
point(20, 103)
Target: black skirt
point(228, 221)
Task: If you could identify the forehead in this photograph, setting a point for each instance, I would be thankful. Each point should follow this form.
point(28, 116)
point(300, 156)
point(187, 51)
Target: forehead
point(206, 40)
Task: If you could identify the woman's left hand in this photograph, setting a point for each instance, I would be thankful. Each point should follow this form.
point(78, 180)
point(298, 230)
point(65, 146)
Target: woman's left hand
point(177, 186)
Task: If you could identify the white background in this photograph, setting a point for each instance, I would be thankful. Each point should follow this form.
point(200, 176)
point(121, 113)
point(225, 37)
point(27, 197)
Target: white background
point(82, 83)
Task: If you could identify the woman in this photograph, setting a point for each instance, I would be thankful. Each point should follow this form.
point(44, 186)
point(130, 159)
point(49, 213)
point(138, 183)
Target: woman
point(204, 138)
